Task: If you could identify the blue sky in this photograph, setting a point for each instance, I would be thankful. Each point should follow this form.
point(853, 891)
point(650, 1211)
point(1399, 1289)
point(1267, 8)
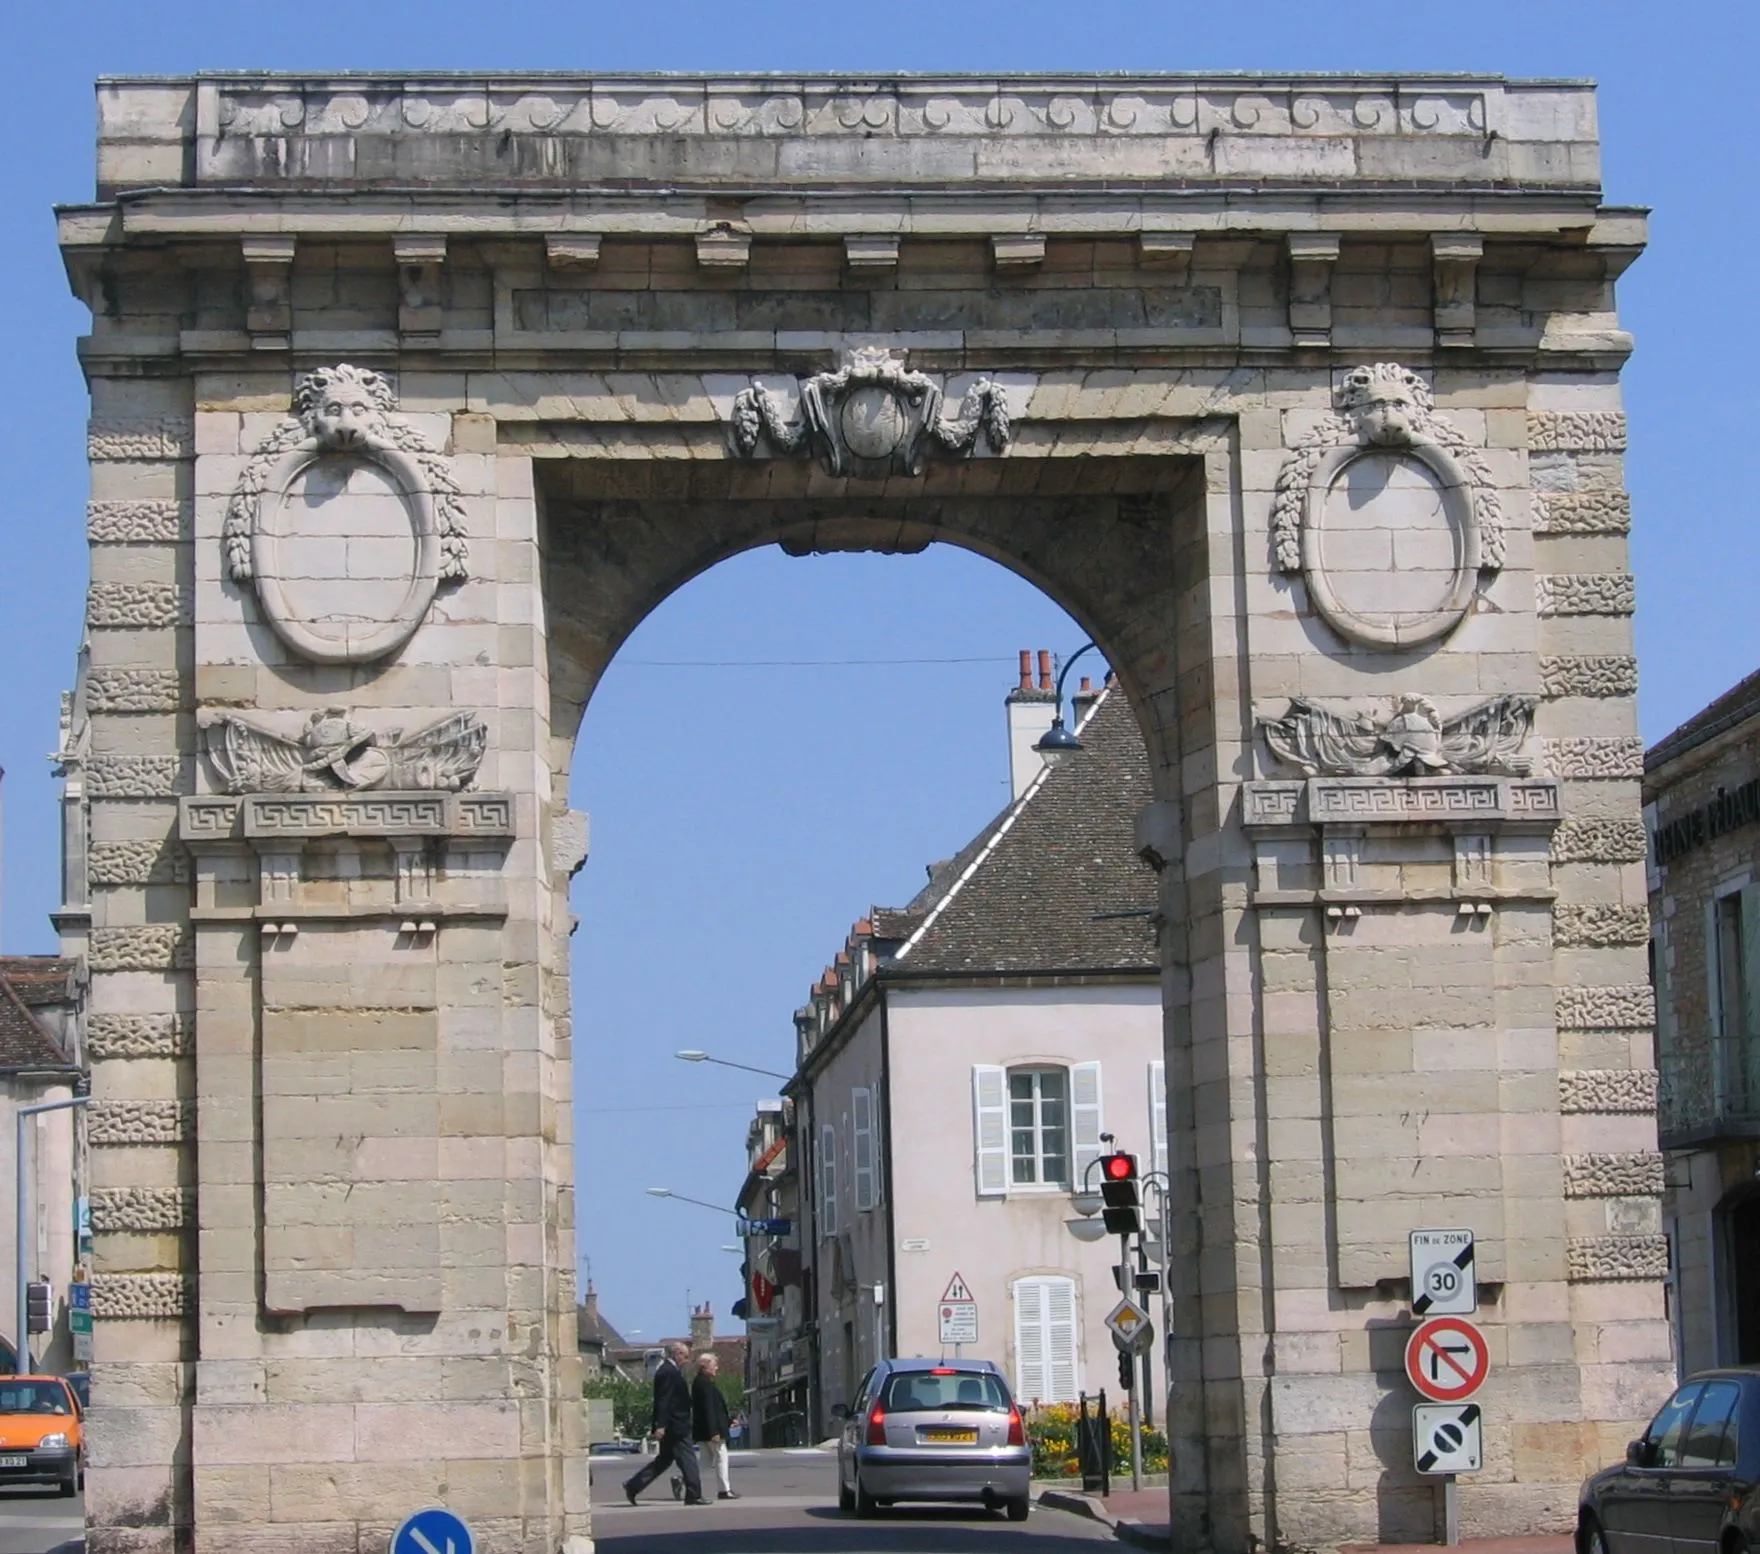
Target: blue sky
point(743, 817)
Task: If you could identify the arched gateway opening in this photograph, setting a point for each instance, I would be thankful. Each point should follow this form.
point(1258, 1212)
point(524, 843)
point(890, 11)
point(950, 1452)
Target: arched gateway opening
point(412, 396)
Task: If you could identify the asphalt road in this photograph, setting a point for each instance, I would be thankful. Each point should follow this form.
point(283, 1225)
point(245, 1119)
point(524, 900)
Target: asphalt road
point(788, 1505)
point(34, 1521)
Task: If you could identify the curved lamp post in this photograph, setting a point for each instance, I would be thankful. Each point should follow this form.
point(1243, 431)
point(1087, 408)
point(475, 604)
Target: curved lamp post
point(1057, 741)
point(691, 1055)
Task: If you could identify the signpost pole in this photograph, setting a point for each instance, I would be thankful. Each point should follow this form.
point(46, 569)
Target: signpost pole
point(1451, 1510)
point(21, 1273)
point(1127, 1262)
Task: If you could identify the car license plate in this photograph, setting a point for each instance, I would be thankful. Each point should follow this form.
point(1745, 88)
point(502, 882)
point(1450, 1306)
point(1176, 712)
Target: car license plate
point(951, 1436)
point(14, 1462)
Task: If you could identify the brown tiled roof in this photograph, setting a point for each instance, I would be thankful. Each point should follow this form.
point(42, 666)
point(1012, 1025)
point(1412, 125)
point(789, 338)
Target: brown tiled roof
point(1734, 707)
point(25, 1042)
point(1053, 884)
point(40, 979)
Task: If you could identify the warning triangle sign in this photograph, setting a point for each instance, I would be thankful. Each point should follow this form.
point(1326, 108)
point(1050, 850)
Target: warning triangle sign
point(956, 1290)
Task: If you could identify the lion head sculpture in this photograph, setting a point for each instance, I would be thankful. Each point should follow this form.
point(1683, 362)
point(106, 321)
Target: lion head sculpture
point(343, 407)
point(1387, 405)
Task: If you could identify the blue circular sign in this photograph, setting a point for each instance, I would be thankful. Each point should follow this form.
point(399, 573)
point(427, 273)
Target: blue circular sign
point(434, 1530)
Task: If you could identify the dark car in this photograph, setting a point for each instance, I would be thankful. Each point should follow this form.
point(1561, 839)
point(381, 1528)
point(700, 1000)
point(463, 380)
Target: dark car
point(1687, 1484)
point(934, 1430)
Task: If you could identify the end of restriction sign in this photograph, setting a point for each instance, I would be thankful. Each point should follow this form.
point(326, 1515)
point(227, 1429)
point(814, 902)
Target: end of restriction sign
point(1445, 1280)
point(1448, 1438)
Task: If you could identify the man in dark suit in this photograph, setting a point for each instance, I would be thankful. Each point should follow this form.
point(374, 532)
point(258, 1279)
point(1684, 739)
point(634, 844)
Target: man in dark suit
point(672, 1424)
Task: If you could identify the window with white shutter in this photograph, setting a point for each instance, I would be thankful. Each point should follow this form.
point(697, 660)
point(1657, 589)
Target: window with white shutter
point(861, 1110)
point(1045, 1340)
point(1085, 1122)
point(1158, 1117)
point(990, 1129)
point(828, 1180)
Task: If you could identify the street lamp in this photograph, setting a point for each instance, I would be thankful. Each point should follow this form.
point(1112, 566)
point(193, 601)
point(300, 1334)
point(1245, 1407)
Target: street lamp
point(1057, 741)
point(691, 1055)
point(702, 1203)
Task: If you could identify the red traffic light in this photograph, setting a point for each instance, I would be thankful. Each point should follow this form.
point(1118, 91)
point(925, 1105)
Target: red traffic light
point(1118, 1168)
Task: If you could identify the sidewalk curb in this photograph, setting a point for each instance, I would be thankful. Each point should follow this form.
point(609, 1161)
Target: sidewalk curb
point(1126, 1529)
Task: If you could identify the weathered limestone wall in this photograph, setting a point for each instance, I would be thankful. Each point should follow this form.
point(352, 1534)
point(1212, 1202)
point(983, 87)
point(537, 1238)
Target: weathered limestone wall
point(1301, 395)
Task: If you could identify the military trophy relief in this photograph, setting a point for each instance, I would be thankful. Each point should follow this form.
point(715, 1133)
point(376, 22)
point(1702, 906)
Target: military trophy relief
point(873, 415)
point(346, 522)
point(1388, 514)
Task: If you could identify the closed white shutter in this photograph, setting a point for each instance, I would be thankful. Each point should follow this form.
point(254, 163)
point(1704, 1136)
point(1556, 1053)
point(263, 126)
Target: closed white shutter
point(1158, 1116)
point(1085, 1122)
point(1060, 1340)
point(1030, 1385)
point(861, 1108)
point(828, 1180)
point(818, 1182)
point(990, 1128)
point(1045, 1340)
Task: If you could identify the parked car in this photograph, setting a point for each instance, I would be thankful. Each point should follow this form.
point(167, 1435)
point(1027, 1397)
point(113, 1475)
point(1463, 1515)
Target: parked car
point(42, 1440)
point(930, 1430)
point(1687, 1484)
point(81, 1382)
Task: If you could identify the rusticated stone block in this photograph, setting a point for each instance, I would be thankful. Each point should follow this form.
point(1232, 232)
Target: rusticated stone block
point(1616, 1257)
point(1582, 512)
point(137, 1036)
point(121, 1297)
point(139, 1210)
point(1626, 1006)
point(1606, 1091)
point(1577, 431)
point(1634, 1175)
point(1587, 675)
point(1588, 756)
point(1588, 840)
point(144, 522)
point(136, 604)
point(134, 776)
point(138, 1122)
point(134, 690)
point(167, 437)
point(1599, 926)
point(1584, 593)
point(137, 863)
point(147, 947)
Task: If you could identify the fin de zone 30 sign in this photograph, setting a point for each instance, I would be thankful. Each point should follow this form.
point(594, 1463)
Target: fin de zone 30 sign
point(1446, 1359)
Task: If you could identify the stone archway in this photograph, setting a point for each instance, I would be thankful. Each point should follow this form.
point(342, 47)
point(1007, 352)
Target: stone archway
point(412, 398)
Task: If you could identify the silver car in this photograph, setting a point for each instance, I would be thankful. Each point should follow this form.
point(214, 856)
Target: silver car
point(934, 1430)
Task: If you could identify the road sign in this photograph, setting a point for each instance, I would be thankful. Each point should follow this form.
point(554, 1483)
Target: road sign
point(1444, 1282)
point(959, 1322)
point(1130, 1325)
point(82, 1347)
point(769, 1227)
point(1447, 1438)
point(433, 1531)
point(957, 1289)
point(79, 1297)
point(1446, 1359)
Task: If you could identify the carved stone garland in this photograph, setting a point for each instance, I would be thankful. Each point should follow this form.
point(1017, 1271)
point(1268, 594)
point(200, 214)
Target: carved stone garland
point(1386, 410)
point(334, 754)
point(343, 416)
point(873, 411)
point(1413, 741)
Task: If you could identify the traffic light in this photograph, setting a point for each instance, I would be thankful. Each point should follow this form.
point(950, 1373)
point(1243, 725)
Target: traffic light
point(1126, 1369)
point(39, 1306)
point(1118, 1192)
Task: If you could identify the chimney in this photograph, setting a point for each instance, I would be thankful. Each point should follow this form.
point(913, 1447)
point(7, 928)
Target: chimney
point(590, 1304)
point(1029, 715)
point(1082, 703)
point(702, 1328)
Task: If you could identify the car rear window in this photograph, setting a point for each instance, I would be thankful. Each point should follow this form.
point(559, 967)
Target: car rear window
point(34, 1397)
point(909, 1392)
